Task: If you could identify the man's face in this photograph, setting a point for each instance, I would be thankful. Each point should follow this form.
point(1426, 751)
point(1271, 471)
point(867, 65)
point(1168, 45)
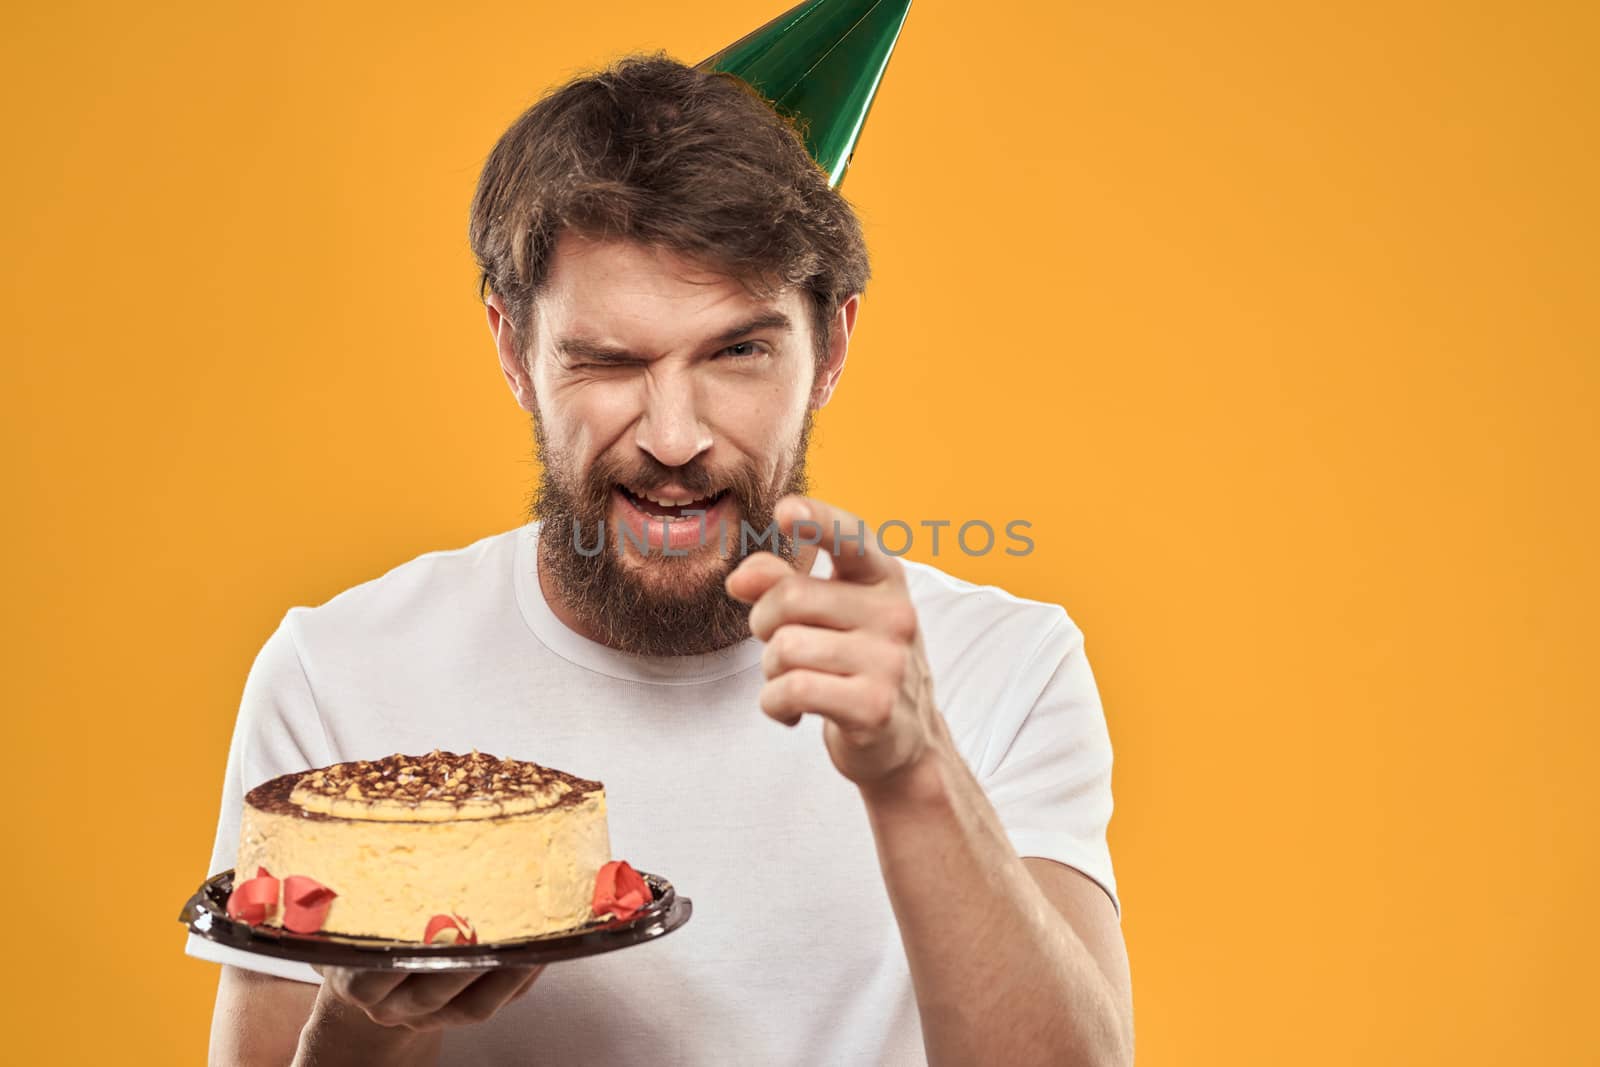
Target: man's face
point(661, 388)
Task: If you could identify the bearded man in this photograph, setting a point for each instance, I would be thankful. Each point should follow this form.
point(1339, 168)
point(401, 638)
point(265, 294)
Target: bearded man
point(916, 870)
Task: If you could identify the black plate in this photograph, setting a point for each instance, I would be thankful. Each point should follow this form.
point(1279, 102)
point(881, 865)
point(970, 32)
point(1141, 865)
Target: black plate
point(206, 914)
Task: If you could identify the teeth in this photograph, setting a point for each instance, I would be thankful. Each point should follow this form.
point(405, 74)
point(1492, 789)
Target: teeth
point(664, 502)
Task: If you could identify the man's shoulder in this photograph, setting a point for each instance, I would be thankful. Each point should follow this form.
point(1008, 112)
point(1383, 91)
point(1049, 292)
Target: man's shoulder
point(992, 652)
point(972, 614)
point(416, 592)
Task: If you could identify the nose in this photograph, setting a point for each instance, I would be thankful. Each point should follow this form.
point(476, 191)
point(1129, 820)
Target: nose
point(670, 429)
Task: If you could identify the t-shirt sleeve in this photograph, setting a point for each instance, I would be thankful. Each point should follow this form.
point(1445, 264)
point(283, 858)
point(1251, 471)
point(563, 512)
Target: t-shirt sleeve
point(278, 731)
point(1049, 777)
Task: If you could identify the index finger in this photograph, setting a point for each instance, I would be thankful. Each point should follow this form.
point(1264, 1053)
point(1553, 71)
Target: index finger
point(856, 555)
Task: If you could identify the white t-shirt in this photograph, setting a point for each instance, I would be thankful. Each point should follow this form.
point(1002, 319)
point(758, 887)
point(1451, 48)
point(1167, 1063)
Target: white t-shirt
point(792, 955)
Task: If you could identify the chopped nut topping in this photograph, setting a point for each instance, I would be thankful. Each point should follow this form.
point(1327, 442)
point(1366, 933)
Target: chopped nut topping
point(477, 777)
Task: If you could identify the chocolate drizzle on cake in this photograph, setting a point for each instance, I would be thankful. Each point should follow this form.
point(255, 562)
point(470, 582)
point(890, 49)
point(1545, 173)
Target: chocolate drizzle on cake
point(417, 781)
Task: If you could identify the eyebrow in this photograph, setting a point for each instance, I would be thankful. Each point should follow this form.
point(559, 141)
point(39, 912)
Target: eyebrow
point(583, 348)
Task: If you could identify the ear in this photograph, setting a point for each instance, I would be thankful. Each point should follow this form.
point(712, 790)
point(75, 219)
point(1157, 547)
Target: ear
point(832, 368)
point(507, 343)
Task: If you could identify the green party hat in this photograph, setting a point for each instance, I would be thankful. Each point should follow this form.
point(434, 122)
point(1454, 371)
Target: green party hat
point(820, 62)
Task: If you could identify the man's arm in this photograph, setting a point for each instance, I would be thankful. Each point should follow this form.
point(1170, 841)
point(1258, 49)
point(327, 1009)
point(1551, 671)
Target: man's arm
point(354, 1017)
point(1035, 969)
point(1011, 964)
point(263, 1020)
point(258, 1017)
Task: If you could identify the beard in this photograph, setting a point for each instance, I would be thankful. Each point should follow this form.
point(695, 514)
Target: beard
point(653, 604)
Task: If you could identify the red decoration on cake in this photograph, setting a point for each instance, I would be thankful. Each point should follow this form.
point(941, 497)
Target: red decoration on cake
point(254, 900)
point(305, 901)
point(620, 890)
point(460, 931)
point(305, 904)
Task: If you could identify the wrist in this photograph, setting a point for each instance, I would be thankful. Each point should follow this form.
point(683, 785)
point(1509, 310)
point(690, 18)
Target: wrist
point(926, 783)
point(338, 1032)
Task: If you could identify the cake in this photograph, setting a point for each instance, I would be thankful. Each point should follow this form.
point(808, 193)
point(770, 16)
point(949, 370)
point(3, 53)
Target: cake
point(429, 848)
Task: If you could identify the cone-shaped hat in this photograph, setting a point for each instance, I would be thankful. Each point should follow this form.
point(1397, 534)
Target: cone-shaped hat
point(821, 62)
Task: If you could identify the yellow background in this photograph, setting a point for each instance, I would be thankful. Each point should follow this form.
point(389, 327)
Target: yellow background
point(1276, 320)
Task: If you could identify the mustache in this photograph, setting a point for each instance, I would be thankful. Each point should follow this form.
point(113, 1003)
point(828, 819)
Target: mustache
point(648, 474)
point(651, 474)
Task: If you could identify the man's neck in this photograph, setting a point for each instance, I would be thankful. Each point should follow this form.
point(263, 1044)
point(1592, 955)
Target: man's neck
point(805, 558)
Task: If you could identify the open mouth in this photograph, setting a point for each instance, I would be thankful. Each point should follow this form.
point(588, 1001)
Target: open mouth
point(674, 506)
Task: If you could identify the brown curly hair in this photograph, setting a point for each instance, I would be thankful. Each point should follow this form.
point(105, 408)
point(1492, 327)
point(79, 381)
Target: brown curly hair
point(667, 155)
